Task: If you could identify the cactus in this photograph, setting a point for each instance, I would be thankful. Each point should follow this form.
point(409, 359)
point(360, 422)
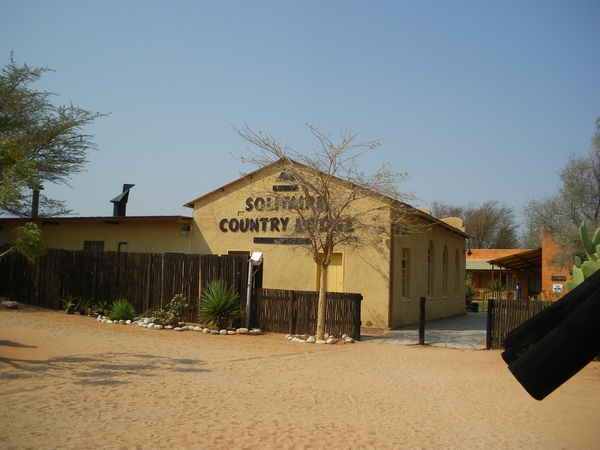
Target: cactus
point(584, 269)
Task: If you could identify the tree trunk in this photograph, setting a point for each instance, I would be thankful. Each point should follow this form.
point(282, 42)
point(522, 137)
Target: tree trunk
point(321, 304)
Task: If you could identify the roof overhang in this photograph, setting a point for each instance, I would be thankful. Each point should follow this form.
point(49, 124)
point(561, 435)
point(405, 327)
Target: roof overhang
point(519, 261)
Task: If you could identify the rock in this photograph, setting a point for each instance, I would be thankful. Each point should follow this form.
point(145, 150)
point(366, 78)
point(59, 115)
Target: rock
point(128, 322)
point(344, 336)
point(108, 321)
point(330, 341)
point(321, 341)
point(147, 320)
point(206, 330)
point(223, 332)
point(214, 331)
point(242, 331)
point(197, 328)
point(10, 304)
point(185, 328)
point(255, 331)
point(141, 324)
point(177, 329)
point(349, 340)
point(311, 340)
point(169, 327)
point(157, 327)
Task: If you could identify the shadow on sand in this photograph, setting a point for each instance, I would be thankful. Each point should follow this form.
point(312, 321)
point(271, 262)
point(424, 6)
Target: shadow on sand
point(103, 369)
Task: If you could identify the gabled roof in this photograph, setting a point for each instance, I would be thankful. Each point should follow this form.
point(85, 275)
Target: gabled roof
point(251, 175)
point(233, 183)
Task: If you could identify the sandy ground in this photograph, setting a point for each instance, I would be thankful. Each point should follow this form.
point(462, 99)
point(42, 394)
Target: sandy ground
point(70, 382)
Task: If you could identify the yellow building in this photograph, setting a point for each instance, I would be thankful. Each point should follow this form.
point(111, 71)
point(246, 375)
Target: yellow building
point(250, 215)
point(152, 234)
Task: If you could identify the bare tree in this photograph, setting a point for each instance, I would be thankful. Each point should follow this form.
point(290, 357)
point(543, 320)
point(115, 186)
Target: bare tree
point(577, 201)
point(341, 206)
point(491, 224)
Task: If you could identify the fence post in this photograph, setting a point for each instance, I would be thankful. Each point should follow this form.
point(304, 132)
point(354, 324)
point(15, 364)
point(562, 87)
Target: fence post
point(489, 326)
point(290, 295)
point(422, 321)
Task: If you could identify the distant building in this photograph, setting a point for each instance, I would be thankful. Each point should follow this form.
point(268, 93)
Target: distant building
point(531, 268)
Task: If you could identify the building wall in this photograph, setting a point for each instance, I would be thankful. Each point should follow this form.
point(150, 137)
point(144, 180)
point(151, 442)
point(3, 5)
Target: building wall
point(365, 270)
point(551, 270)
point(141, 236)
point(405, 309)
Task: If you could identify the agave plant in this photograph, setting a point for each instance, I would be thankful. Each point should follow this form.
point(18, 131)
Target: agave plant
point(121, 310)
point(218, 303)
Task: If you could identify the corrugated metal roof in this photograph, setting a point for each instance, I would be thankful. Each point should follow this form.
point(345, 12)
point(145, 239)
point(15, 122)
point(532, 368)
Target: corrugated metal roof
point(518, 261)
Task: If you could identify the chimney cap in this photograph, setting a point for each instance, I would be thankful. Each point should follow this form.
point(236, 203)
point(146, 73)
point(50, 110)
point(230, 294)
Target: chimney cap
point(120, 201)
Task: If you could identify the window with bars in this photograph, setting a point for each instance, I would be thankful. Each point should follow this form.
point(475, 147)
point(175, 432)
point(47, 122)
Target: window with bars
point(405, 276)
point(445, 272)
point(93, 246)
point(430, 271)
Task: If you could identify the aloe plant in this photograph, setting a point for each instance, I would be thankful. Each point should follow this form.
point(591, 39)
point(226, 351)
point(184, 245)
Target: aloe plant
point(584, 269)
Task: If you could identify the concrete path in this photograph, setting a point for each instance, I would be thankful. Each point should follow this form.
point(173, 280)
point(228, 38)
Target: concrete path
point(462, 332)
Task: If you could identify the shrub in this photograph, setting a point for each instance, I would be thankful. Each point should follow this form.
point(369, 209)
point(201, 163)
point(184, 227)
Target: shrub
point(101, 308)
point(469, 289)
point(217, 304)
point(121, 310)
point(149, 313)
point(171, 313)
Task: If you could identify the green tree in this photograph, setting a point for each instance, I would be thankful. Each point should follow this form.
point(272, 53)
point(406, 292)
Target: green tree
point(28, 242)
point(577, 201)
point(334, 212)
point(39, 142)
point(491, 224)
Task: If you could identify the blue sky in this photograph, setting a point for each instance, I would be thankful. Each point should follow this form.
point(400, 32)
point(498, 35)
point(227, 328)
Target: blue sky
point(476, 100)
